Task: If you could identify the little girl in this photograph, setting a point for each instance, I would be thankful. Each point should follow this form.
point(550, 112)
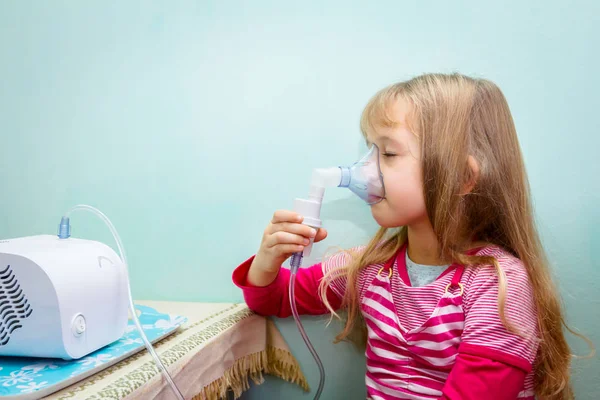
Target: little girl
point(453, 295)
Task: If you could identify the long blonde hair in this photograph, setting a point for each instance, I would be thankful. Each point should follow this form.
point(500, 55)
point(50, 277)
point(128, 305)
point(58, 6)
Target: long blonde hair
point(455, 117)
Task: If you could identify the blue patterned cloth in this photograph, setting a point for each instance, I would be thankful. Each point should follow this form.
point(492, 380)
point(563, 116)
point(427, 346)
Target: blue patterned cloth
point(26, 376)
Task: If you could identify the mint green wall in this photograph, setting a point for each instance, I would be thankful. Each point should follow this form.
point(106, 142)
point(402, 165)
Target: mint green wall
point(189, 123)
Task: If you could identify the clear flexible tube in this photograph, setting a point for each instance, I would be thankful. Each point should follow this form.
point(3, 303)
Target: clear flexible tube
point(123, 256)
point(295, 264)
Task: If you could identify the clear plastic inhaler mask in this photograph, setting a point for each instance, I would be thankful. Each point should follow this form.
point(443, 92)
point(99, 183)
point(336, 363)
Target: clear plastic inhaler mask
point(364, 179)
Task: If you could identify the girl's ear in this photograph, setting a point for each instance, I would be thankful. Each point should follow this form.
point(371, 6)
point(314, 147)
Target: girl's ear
point(473, 175)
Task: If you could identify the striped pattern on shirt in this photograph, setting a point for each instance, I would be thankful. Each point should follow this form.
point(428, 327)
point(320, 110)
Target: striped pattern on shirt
point(411, 307)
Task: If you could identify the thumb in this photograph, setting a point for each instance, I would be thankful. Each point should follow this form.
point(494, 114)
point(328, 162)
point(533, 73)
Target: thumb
point(321, 234)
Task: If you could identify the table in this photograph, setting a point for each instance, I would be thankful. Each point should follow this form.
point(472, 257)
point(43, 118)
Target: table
point(216, 352)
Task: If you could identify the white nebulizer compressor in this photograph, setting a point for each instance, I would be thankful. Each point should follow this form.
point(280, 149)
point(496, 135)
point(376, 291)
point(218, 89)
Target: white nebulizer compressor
point(60, 298)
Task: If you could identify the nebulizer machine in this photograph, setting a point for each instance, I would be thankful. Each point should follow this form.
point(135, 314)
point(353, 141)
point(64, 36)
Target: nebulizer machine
point(363, 178)
point(63, 297)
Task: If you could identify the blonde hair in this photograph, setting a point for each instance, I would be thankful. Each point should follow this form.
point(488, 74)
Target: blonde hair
point(455, 117)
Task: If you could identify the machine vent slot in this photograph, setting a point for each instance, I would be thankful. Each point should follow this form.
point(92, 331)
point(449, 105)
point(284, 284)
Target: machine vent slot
point(14, 307)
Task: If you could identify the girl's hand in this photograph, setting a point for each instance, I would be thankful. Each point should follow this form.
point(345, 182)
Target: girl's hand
point(284, 236)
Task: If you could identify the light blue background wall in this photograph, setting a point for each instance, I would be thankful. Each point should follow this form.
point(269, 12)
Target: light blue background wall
point(189, 123)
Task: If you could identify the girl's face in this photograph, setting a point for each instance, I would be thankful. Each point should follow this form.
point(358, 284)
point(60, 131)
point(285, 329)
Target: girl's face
point(400, 162)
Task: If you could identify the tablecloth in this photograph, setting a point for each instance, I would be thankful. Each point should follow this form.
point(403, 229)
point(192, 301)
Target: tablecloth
point(220, 348)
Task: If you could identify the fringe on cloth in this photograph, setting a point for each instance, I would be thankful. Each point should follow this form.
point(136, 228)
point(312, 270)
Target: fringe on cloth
point(272, 361)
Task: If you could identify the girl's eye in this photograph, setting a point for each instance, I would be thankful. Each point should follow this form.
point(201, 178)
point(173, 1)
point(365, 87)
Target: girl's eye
point(389, 154)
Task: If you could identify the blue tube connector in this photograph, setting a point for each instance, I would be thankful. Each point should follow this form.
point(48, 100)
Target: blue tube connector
point(64, 229)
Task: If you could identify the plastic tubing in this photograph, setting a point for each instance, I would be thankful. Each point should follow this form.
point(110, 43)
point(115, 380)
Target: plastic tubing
point(123, 256)
point(295, 264)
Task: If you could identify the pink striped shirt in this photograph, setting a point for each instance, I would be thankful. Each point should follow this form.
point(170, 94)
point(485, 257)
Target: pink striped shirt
point(424, 342)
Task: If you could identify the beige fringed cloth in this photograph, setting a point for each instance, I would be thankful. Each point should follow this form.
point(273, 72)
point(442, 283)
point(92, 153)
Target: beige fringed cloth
point(219, 349)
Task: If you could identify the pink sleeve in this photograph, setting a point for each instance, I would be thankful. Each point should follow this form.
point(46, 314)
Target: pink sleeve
point(274, 299)
point(476, 378)
point(484, 334)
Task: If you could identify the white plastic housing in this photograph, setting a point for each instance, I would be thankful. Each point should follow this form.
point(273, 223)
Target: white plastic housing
point(310, 208)
point(68, 297)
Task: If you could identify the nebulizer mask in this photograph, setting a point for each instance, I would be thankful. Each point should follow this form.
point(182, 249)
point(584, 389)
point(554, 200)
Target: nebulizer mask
point(364, 179)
